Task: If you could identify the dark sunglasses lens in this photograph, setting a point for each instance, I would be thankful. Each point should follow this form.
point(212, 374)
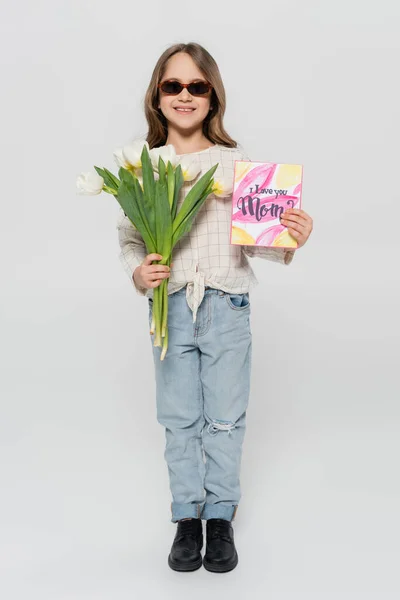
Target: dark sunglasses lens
point(198, 88)
point(171, 87)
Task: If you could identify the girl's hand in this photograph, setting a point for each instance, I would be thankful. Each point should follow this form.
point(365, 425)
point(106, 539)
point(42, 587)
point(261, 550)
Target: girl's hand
point(299, 224)
point(148, 275)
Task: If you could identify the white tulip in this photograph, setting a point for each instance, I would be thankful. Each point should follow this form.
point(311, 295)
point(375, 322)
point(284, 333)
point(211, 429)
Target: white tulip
point(89, 183)
point(222, 187)
point(140, 179)
point(120, 159)
point(190, 168)
point(132, 153)
point(167, 153)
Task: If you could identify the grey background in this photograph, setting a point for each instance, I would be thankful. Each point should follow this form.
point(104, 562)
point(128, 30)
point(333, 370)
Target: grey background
point(84, 504)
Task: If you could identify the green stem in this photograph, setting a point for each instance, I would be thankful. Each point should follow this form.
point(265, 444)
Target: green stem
point(110, 190)
point(153, 322)
point(161, 288)
point(157, 316)
point(165, 345)
point(165, 309)
point(160, 310)
point(170, 184)
point(164, 325)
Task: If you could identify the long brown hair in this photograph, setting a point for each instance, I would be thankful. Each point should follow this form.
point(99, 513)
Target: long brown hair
point(213, 128)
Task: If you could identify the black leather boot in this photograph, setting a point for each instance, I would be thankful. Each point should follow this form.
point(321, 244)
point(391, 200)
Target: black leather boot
point(221, 555)
point(185, 552)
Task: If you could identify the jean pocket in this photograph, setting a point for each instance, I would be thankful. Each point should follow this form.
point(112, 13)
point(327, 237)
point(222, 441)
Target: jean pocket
point(238, 301)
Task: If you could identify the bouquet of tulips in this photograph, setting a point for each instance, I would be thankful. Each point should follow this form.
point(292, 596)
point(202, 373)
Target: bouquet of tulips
point(147, 189)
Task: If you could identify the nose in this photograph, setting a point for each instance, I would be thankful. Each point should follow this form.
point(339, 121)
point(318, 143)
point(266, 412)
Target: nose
point(185, 94)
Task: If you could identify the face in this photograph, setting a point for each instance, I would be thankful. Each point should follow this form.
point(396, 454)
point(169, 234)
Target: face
point(182, 68)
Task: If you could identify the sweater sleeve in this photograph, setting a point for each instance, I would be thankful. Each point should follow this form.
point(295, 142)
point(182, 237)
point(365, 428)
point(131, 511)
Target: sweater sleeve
point(280, 255)
point(133, 249)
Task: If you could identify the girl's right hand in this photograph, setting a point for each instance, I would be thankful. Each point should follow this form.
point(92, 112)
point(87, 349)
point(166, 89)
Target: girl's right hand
point(148, 275)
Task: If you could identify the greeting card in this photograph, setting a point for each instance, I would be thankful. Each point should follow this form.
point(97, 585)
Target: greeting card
point(261, 192)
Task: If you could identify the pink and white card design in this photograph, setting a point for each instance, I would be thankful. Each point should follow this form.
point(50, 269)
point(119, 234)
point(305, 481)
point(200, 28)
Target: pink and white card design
point(261, 192)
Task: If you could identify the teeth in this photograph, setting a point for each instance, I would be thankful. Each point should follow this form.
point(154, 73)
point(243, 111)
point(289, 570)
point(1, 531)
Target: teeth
point(185, 109)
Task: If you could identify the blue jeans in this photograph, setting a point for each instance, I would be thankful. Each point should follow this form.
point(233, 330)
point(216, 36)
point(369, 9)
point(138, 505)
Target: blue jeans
point(202, 393)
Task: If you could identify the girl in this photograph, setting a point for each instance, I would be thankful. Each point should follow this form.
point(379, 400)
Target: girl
point(202, 386)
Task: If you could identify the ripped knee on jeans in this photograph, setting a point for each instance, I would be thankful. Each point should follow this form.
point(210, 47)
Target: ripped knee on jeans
point(217, 425)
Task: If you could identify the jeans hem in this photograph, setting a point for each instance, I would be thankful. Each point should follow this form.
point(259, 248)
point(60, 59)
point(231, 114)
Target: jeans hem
point(219, 511)
point(185, 511)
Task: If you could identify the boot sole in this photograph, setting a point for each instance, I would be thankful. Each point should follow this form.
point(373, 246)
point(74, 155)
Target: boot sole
point(185, 567)
point(209, 566)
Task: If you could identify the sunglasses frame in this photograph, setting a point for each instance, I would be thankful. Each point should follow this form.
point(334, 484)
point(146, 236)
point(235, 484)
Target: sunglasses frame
point(185, 85)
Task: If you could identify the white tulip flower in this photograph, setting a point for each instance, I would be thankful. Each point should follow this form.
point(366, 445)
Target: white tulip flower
point(190, 168)
point(140, 179)
point(120, 159)
point(129, 157)
point(132, 153)
point(222, 187)
point(167, 154)
point(89, 183)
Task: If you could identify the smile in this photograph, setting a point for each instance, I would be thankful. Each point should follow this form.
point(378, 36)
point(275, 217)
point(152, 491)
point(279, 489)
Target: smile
point(184, 110)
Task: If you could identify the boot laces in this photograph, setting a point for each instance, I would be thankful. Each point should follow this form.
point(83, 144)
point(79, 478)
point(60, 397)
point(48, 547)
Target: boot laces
point(187, 528)
point(220, 529)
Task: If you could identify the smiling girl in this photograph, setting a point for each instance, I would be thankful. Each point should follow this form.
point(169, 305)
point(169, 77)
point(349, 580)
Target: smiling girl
point(202, 386)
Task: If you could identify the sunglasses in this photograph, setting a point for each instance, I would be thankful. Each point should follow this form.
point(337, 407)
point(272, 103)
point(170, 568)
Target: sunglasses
point(172, 87)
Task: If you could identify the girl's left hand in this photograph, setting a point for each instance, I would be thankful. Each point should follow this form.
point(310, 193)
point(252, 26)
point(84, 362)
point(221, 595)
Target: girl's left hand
point(299, 224)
